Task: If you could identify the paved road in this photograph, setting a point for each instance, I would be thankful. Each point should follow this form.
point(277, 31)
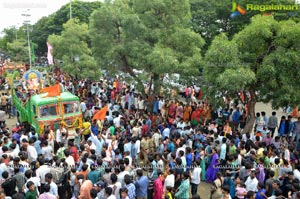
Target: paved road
point(204, 188)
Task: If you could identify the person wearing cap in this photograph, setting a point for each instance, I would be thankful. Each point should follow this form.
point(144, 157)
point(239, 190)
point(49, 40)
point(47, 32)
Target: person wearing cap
point(100, 187)
point(251, 182)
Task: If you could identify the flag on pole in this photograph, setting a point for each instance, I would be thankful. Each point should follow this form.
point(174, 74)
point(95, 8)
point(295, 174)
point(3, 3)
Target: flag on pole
point(52, 91)
point(32, 53)
point(100, 115)
point(49, 55)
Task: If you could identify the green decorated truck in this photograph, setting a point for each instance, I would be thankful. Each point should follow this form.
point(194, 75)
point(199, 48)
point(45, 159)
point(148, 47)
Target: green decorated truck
point(44, 109)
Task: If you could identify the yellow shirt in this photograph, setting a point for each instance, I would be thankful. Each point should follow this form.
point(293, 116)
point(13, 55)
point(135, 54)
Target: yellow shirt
point(86, 128)
point(170, 195)
point(260, 153)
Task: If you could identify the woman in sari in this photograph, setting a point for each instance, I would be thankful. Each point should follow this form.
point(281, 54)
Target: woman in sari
point(195, 117)
point(172, 110)
point(187, 113)
point(227, 129)
point(202, 165)
point(179, 111)
point(212, 168)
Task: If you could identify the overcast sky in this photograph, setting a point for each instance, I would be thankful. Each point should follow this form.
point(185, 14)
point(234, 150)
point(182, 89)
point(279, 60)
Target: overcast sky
point(11, 10)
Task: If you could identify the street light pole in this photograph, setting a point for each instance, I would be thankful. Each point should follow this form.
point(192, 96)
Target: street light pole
point(29, 49)
point(28, 40)
point(70, 9)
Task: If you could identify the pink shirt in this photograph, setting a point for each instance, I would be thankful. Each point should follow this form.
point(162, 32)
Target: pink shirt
point(240, 191)
point(159, 189)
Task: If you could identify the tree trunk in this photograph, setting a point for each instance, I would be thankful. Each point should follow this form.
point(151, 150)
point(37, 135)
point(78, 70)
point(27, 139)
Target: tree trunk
point(156, 84)
point(150, 86)
point(251, 111)
point(129, 70)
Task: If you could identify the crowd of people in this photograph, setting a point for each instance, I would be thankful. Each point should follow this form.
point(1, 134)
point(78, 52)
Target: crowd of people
point(154, 148)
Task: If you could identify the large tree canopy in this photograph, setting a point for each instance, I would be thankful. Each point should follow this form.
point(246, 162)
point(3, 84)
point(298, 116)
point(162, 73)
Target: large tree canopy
point(71, 47)
point(153, 36)
point(53, 24)
point(209, 18)
point(262, 59)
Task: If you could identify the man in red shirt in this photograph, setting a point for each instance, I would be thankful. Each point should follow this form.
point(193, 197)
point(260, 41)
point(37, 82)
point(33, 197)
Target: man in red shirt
point(145, 128)
point(73, 151)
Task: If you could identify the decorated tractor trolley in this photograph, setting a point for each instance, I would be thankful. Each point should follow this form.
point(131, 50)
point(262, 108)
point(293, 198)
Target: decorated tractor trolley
point(51, 106)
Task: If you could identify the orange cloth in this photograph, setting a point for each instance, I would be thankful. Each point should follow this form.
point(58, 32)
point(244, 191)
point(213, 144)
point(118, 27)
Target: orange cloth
point(295, 112)
point(85, 189)
point(100, 115)
point(186, 114)
point(52, 91)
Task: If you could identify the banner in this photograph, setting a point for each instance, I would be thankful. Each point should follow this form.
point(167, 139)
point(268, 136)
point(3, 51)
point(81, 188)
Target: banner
point(49, 55)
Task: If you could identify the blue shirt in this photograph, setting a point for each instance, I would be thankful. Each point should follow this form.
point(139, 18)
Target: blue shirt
point(155, 107)
point(171, 147)
point(189, 160)
point(127, 147)
point(93, 176)
point(37, 146)
point(94, 129)
point(236, 116)
point(258, 196)
point(141, 186)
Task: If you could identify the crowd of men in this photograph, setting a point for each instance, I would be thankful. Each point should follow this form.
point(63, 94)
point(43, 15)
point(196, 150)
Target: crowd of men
point(153, 148)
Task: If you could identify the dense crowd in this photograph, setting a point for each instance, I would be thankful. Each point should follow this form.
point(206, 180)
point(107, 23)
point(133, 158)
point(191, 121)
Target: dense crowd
point(155, 148)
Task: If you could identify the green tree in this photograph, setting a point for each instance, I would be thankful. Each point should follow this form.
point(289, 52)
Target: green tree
point(71, 47)
point(153, 36)
point(18, 50)
point(209, 18)
point(262, 59)
point(12, 34)
point(53, 24)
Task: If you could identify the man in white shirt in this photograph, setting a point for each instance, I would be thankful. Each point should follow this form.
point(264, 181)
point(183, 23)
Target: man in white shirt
point(41, 173)
point(170, 179)
point(223, 150)
point(251, 182)
point(156, 136)
point(116, 184)
point(122, 174)
point(47, 151)
point(117, 120)
point(196, 178)
point(35, 180)
point(31, 151)
point(69, 159)
point(53, 186)
point(181, 148)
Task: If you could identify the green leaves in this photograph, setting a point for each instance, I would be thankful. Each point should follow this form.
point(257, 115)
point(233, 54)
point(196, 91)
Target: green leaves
point(153, 36)
point(71, 47)
point(263, 56)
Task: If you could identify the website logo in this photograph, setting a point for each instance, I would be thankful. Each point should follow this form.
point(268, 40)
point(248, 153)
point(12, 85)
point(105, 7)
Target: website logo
point(237, 10)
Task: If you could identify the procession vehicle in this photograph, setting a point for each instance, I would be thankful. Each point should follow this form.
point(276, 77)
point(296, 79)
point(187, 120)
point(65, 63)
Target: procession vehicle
point(44, 107)
point(12, 69)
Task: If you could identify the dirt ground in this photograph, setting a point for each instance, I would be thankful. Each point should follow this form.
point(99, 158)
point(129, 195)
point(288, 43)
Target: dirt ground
point(204, 188)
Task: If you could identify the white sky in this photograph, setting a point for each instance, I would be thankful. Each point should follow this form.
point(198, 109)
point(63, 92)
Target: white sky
point(11, 11)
